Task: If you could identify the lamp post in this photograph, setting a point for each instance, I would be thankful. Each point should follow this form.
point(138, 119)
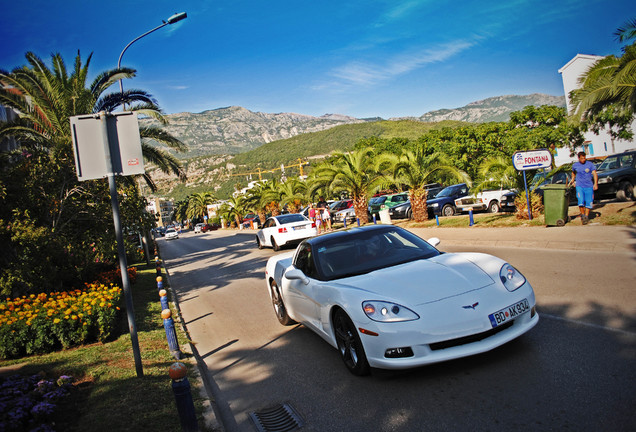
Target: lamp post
point(173, 19)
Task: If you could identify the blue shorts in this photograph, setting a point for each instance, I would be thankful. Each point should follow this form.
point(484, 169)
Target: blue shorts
point(585, 196)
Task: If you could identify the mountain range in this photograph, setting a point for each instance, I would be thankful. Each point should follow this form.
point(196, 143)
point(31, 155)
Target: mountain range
point(233, 130)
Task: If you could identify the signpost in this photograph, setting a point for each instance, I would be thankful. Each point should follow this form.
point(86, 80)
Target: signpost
point(106, 145)
point(529, 160)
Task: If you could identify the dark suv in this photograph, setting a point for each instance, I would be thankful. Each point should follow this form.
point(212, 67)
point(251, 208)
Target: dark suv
point(617, 176)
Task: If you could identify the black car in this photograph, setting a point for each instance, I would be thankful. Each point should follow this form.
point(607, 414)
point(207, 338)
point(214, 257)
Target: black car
point(404, 211)
point(617, 176)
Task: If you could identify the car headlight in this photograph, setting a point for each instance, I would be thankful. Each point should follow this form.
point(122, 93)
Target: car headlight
point(435, 205)
point(388, 312)
point(511, 277)
point(607, 179)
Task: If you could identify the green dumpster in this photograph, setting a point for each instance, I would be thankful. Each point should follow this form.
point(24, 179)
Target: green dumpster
point(555, 203)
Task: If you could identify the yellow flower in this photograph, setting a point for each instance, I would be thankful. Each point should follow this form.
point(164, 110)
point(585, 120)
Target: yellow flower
point(74, 317)
point(56, 320)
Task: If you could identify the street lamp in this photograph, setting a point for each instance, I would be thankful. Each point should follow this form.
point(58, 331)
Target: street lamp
point(173, 19)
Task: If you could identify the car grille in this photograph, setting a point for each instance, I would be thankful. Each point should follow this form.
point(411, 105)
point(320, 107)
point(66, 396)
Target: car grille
point(469, 339)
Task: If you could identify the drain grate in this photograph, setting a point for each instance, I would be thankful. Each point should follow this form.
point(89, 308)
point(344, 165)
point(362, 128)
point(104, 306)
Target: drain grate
point(279, 418)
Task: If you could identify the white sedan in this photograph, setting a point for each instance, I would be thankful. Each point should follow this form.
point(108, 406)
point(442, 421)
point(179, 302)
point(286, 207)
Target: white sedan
point(387, 299)
point(172, 233)
point(281, 230)
point(199, 227)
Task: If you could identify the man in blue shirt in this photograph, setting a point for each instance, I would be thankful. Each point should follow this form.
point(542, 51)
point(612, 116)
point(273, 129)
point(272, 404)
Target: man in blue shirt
point(586, 180)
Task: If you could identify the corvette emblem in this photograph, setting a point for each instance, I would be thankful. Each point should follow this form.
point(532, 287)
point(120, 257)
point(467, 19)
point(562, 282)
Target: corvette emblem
point(473, 306)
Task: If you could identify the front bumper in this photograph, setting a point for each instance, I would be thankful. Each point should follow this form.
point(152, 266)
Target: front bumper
point(468, 333)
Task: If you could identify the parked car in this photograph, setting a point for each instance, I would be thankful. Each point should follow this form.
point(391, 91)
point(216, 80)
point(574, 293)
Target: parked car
point(250, 219)
point(444, 202)
point(362, 291)
point(211, 227)
point(617, 176)
point(404, 211)
point(339, 205)
point(171, 234)
point(281, 230)
point(538, 183)
point(199, 227)
point(383, 202)
point(348, 214)
point(485, 200)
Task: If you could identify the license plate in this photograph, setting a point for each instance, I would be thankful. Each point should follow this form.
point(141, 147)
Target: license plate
point(509, 313)
point(298, 228)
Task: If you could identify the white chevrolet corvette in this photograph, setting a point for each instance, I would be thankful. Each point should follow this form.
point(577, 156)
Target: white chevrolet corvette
point(387, 299)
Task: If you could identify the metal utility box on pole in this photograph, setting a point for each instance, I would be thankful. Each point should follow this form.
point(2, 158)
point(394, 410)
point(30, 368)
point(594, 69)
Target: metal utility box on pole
point(106, 145)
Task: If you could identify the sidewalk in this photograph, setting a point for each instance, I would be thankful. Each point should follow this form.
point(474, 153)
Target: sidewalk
point(619, 238)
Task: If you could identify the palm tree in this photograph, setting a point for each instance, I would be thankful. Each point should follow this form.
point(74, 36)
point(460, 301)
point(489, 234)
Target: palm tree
point(354, 172)
point(198, 203)
point(498, 172)
point(257, 199)
point(414, 170)
point(608, 88)
point(293, 194)
point(45, 99)
point(234, 208)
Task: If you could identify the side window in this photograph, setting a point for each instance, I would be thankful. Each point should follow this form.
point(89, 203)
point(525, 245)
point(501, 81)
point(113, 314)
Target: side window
point(305, 261)
point(626, 161)
point(559, 178)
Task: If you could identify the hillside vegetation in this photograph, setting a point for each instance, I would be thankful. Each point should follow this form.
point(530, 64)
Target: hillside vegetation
point(207, 173)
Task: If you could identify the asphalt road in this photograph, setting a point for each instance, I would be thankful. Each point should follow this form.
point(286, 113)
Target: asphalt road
point(575, 370)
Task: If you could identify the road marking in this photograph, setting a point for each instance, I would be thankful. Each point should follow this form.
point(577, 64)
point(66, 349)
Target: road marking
point(583, 323)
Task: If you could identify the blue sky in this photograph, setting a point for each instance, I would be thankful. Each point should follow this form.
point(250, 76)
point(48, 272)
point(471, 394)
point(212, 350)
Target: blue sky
point(368, 58)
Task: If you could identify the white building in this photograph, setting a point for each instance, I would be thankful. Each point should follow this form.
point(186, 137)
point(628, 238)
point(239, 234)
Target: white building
point(594, 146)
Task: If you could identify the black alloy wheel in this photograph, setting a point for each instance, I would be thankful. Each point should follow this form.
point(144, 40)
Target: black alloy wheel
point(275, 245)
point(350, 345)
point(258, 243)
point(279, 306)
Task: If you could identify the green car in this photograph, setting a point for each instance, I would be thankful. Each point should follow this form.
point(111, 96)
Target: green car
point(376, 204)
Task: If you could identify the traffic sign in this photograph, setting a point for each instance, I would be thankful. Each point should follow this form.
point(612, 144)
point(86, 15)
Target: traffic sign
point(533, 159)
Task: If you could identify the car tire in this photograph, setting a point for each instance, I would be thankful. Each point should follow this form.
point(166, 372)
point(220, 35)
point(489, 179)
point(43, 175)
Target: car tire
point(448, 210)
point(493, 207)
point(349, 344)
point(258, 243)
point(625, 191)
point(275, 245)
point(279, 307)
point(409, 213)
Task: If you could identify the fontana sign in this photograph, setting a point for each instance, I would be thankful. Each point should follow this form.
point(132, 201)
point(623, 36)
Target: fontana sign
point(533, 159)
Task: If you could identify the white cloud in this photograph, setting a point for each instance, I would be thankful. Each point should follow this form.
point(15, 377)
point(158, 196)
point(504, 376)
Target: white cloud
point(368, 73)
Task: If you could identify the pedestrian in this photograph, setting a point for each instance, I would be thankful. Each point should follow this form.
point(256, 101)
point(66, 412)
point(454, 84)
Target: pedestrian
point(585, 179)
point(326, 217)
point(312, 212)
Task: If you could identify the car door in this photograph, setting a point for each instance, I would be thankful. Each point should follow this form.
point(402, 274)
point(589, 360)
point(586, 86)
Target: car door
point(300, 298)
point(268, 230)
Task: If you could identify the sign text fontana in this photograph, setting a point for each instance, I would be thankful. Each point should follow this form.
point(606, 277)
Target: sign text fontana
point(533, 159)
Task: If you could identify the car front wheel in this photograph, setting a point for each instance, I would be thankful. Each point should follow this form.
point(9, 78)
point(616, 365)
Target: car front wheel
point(448, 210)
point(258, 243)
point(625, 192)
point(493, 207)
point(279, 306)
point(350, 345)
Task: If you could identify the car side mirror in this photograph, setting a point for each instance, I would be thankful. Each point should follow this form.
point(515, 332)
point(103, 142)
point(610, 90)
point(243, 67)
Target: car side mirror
point(295, 274)
point(433, 241)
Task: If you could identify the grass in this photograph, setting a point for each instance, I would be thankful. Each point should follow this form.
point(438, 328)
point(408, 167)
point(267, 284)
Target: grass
point(108, 394)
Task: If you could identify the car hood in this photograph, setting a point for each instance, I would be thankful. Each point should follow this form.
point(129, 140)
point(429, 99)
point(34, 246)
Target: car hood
point(427, 280)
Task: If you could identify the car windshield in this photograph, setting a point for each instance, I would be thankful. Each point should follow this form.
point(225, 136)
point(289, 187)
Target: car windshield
point(377, 200)
point(447, 191)
point(291, 217)
point(170, 230)
point(365, 251)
